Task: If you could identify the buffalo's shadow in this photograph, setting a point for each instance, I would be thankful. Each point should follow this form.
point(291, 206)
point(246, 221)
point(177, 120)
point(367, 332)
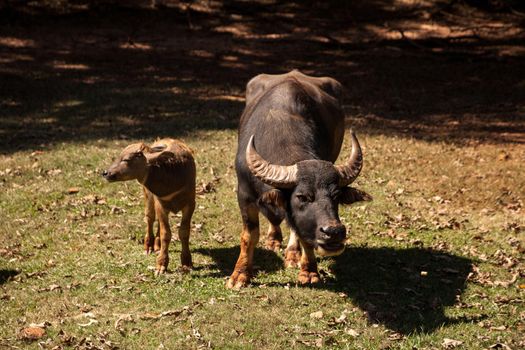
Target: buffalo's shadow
point(406, 290)
point(6, 275)
point(224, 260)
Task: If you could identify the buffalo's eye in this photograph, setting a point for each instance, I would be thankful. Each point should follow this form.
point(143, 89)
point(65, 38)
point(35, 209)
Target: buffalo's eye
point(303, 198)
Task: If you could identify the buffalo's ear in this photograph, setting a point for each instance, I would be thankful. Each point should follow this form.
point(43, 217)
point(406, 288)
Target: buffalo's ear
point(273, 205)
point(351, 195)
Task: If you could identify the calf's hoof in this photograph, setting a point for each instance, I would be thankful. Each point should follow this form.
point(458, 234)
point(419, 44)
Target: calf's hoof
point(160, 270)
point(307, 277)
point(156, 245)
point(162, 265)
point(274, 245)
point(238, 280)
point(148, 246)
point(148, 250)
point(292, 258)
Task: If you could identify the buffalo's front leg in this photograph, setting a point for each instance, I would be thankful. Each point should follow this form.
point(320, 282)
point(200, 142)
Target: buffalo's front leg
point(274, 238)
point(149, 218)
point(292, 254)
point(165, 238)
point(308, 273)
point(249, 238)
point(184, 236)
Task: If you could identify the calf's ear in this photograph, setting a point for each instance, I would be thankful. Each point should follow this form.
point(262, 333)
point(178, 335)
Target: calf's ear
point(351, 195)
point(273, 205)
point(158, 148)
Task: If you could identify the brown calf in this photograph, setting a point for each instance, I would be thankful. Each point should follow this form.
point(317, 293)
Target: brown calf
point(166, 170)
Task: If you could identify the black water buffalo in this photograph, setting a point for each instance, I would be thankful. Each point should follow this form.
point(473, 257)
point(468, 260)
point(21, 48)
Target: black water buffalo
point(290, 134)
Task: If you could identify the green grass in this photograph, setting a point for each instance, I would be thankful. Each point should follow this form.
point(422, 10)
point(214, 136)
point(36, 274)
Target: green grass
point(68, 258)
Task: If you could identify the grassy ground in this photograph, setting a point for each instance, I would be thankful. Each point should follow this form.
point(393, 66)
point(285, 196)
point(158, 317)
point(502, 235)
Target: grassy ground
point(435, 261)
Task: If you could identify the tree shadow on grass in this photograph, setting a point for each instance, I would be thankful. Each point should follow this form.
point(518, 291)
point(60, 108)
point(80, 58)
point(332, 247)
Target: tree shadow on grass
point(406, 290)
point(224, 260)
point(6, 275)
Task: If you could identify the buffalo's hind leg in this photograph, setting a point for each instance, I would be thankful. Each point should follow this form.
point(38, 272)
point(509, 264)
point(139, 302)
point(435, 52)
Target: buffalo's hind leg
point(271, 205)
point(274, 238)
point(243, 270)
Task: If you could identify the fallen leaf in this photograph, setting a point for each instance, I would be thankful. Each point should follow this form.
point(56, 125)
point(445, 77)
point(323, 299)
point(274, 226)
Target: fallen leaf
point(40, 325)
point(317, 315)
point(91, 321)
point(73, 190)
point(500, 346)
point(32, 333)
point(507, 283)
point(121, 319)
point(352, 332)
point(451, 343)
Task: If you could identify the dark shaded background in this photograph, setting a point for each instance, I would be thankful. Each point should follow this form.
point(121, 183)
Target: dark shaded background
point(437, 70)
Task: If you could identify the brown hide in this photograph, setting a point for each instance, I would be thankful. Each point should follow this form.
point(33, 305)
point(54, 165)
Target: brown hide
point(170, 171)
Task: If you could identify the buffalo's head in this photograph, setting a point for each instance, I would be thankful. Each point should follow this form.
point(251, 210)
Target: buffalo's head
point(310, 192)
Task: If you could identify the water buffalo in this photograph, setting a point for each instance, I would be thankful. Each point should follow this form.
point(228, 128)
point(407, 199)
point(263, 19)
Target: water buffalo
point(290, 134)
point(166, 170)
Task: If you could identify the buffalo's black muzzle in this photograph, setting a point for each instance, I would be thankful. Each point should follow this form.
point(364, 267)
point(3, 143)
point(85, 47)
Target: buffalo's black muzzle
point(335, 233)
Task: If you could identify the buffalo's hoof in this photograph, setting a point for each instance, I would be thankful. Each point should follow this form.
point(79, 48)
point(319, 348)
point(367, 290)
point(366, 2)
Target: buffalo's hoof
point(292, 258)
point(185, 261)
point(306, 277)
point(238, 280)
point(185, 268)
point(274, 245)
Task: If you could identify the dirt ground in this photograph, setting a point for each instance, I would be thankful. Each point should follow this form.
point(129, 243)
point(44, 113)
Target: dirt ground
point(439, 70)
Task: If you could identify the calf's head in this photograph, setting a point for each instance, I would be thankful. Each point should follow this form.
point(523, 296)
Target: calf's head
point(131, 164)
point(314, 189)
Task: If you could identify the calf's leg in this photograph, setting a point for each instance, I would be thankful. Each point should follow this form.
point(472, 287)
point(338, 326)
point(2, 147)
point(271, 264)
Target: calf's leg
point(184, 236)
point(149, 218)
point(165, 238)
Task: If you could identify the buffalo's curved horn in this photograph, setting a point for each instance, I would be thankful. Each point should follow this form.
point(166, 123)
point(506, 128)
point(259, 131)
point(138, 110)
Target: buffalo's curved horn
point(349, 172)
point(279, 176)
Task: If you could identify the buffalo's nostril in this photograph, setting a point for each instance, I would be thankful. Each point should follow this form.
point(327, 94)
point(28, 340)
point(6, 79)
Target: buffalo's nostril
point(337, 232)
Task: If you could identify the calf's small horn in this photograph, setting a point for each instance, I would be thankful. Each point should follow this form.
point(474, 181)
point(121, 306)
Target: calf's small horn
point(349, 171)
point(279, 176)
